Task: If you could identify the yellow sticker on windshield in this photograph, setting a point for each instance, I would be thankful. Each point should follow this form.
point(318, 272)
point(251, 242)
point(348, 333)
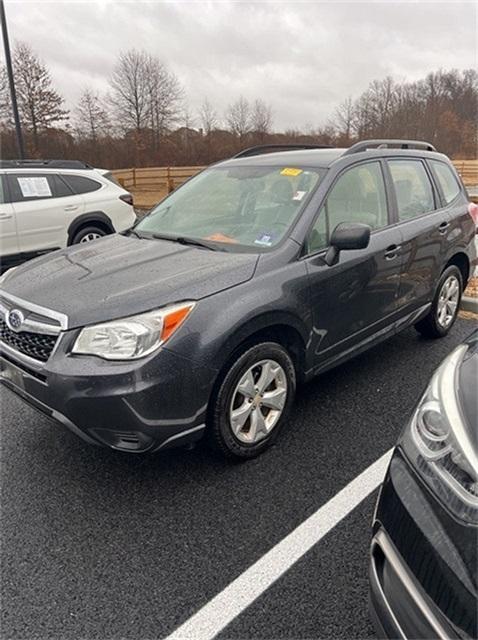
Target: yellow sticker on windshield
point(290, 171)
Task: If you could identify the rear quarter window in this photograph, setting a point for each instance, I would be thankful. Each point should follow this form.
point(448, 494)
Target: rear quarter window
point(447, 180)
point(80, 184)
point(109, 176)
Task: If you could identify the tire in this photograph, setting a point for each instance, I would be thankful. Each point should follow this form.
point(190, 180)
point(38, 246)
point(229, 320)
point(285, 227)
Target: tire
point(437, 323)
point(258, 362)
point(82, 234)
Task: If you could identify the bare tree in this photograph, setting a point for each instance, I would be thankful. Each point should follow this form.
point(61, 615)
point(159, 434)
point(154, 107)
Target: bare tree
point(5, 100)
point(91, 117)
point(130, 85)
point(145, 94)
point(208, 117)
point(165, 97)
point(40, 106)
point(261, 119)
point(238, 118)
point(343, 119)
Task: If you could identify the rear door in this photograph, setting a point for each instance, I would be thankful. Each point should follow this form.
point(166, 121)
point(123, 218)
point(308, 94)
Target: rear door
point(424, 226)
point(453, 195)
point(357, 297)
point(44, 206)
point(9, 246)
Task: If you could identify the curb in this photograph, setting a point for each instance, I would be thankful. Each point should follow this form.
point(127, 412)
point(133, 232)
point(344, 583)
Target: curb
point(469, 304)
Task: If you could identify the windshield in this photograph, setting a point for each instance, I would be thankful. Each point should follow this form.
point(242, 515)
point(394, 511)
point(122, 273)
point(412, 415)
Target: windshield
point(234, 207)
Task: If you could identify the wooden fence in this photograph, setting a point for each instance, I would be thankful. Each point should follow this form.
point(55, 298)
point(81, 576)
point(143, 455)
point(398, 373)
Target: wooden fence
point(168, 178)
point(468, 170)
point(154, 178)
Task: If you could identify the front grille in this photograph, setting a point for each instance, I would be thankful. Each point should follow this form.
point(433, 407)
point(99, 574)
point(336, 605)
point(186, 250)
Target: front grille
point(35, 345)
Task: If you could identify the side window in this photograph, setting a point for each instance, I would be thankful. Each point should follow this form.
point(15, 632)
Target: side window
point(2, 189)
point(32, 187)
point(412, 187)
point(448, 182)
point(79, 184)
point(357, 196)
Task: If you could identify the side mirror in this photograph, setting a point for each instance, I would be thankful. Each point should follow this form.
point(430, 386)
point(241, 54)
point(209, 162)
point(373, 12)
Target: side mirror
point(347, 236)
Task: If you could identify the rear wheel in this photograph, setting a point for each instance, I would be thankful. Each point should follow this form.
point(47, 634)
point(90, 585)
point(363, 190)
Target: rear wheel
point(446, 304)
point(252, 403)
point(88, 234)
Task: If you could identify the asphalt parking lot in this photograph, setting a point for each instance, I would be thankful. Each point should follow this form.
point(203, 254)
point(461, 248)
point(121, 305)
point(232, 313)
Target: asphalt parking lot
point(98, 544)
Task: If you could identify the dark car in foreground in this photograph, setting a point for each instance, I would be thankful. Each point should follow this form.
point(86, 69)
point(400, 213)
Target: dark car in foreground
point(424, 553)
point(261, 271)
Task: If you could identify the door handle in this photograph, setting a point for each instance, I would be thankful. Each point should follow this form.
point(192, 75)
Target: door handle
point(71, 207)
point(392, 251)
point(5, 216)
point(443, 227)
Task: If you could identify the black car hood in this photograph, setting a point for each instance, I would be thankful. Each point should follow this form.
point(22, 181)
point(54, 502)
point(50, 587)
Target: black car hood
point(118, 276)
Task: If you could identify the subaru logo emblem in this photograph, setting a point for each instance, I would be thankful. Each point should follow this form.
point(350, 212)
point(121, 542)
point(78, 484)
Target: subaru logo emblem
point(15, 320)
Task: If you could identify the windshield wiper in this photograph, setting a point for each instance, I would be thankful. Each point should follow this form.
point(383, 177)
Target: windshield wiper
point(188, 241)
point(132, 232)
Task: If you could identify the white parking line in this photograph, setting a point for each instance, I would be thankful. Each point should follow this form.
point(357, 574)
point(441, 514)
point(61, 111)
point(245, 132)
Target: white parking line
point(214, 616)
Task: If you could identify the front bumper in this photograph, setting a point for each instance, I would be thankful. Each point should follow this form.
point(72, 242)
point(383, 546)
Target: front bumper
point(422, 577)
point(136, 407)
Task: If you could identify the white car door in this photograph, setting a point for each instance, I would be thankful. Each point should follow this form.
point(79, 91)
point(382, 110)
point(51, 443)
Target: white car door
point(44, 206)
point(9, 246)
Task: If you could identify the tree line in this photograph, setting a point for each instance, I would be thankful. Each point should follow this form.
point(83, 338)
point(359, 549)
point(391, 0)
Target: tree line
point(143, 119)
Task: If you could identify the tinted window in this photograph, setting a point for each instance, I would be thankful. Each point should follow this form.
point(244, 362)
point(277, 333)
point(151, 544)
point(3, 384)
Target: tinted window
point(36, 186)
point(79, 184)
point(412, 187)
point(357, 196)
point(2, 190)
point(447, 180)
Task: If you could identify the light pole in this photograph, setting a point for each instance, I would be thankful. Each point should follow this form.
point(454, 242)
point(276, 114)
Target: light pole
point(11, 82)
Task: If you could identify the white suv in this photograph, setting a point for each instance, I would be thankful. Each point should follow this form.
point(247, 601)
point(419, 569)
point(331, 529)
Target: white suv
point(50, 204)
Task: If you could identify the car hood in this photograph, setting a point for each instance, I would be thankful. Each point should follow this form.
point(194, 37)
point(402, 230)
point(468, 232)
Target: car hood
point(118, 276)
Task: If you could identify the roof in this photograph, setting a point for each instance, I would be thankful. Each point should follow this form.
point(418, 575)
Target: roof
point(324, 158)
point(303, 157)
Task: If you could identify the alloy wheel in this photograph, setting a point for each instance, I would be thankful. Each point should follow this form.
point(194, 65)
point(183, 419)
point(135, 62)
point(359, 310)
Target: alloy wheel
point(448, 300)
point(90, 236)
point(258, 401)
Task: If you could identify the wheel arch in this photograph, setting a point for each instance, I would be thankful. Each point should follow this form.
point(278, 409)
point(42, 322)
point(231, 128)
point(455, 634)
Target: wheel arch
point(282, 328)
point(97, 218)
point(460, 260)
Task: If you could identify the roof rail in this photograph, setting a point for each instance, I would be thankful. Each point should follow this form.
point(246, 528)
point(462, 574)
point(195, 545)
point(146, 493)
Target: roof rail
point(270, 148)
point(45, 164)
point(386, 144)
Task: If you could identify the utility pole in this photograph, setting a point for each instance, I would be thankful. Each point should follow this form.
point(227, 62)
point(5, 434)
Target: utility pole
point(11, 82)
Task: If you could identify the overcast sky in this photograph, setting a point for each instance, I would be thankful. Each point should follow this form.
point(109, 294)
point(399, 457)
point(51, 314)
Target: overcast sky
point(302, 57)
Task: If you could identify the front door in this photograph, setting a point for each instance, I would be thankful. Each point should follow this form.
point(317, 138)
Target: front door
point(357, 297)
point(9, 247)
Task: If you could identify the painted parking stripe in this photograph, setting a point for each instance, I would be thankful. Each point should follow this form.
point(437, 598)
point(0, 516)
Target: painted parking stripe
point(241, 592)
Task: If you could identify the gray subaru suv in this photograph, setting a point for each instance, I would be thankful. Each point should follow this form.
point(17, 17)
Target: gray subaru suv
point(260, 272)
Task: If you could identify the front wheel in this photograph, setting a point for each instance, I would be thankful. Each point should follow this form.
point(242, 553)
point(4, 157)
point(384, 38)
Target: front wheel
point(445, 306)
point(252, 402)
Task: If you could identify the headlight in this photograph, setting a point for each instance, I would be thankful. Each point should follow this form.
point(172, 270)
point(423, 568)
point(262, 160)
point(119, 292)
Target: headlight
point(440, 445)
point(133, 337)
